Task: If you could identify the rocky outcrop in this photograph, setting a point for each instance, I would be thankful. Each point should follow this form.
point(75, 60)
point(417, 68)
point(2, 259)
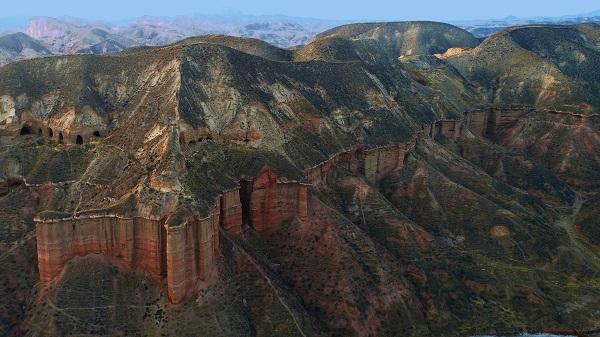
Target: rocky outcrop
point(231, 211)
point(181, 247)
point(373, 163)
point(272, 202)
point(191, 248)
point(137, 242)
point(451, 129)
point(376, 163)
point(380, 161)
point(488, 122)
point(324, 172)
point(184, 252)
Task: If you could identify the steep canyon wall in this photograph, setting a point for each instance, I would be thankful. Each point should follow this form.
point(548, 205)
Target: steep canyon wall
point(184, 251)
point(273, 202)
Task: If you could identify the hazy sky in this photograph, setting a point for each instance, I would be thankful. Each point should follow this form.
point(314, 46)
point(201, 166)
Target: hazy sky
point(348, 10)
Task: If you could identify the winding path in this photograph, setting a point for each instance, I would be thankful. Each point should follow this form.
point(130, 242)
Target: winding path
point(567, 222)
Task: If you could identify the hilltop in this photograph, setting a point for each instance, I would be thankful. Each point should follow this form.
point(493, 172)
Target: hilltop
point(20, 46)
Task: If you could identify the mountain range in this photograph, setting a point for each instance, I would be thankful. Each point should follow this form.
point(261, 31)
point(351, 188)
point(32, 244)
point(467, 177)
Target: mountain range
point(69, 35)
point(382, 179)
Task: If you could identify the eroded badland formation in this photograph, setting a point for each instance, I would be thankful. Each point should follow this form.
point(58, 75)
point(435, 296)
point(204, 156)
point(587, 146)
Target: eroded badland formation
point(393, 179)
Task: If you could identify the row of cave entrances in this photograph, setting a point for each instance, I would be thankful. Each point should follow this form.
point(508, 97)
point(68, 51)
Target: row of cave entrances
point(27, 130)
point(183, 140)
point(200, 140)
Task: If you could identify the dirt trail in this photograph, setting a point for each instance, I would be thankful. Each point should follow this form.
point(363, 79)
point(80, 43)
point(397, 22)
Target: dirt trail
point(567, 223)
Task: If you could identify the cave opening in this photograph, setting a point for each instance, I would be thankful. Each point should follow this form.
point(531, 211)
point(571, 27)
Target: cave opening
point(96, 134)
point(50, 133)
point(25, 130)
point(60, 138)
point(245, 194)
point(79, 140)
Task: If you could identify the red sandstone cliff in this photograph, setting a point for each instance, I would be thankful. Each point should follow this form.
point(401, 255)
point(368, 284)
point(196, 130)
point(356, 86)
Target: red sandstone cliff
point(231, 211)
point(191, 252)
point(273, 202)
point(184, 249)
point(135, 241)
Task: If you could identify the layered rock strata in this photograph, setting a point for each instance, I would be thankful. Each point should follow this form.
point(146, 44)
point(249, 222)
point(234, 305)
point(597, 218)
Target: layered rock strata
point(181, 249)
point(184, 253)
point(191, 251)
point(184, 249)
point(375, 163)
point(231, 211)
point(273, 202)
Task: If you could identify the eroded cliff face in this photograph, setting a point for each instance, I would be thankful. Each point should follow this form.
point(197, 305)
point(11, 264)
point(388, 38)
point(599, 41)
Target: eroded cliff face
point(231, 211)
point(181, 248)
point(316, 189)
point(191, 254)
point(184, 252)
point(273, 202)
point(136, 242)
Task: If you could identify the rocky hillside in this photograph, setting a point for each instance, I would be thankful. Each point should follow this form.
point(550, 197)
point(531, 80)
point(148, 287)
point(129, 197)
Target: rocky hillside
point(408, 38)
point(351, 187)
point(19, 46)
point(550, 66)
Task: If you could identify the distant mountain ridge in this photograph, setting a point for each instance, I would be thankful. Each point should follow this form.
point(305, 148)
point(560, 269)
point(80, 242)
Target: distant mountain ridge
point(20, 46)
point(67, 35)
point(483, 28)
